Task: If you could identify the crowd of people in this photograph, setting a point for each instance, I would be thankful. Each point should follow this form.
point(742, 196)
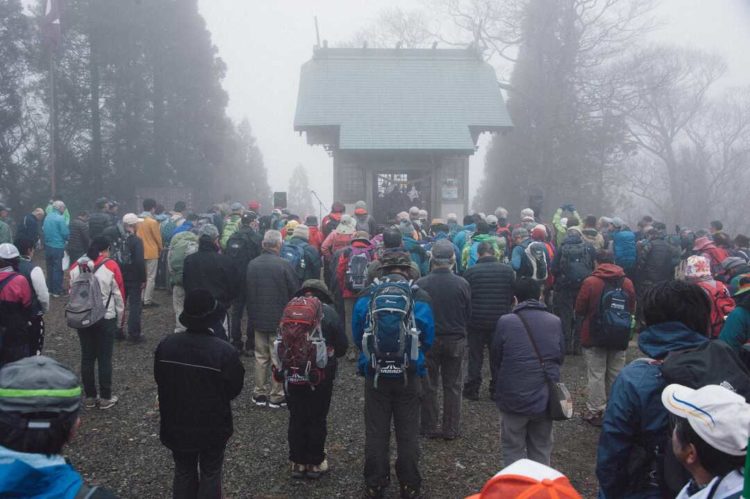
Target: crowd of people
point(417, 303)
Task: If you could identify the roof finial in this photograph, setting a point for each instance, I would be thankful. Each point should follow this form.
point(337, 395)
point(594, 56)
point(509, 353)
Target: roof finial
point(398, 44)
point(434, 45)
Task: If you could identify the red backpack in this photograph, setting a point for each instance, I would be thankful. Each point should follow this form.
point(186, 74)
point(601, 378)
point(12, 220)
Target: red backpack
point(721, 305)
point(299, 353)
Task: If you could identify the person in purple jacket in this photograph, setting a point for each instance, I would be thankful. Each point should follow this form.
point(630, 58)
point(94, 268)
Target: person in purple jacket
point(521, 391)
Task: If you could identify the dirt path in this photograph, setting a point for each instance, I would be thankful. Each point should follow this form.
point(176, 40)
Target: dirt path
point(120, 448)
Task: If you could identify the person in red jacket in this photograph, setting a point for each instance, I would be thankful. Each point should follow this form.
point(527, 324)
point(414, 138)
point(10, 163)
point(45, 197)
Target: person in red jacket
point(15, 306)
point(315, 237)
point(603, 363)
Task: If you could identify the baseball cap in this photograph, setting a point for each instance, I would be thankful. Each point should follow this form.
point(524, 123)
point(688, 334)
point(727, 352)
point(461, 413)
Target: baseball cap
point(395, 258)
point(718, 415)
point(253, 205)
point(236, 207)
point(131, 219)
point(443, 250)
point(8, 251)
point(38, 384)
point(739, 285)
point(530, 480)
point(209, 230)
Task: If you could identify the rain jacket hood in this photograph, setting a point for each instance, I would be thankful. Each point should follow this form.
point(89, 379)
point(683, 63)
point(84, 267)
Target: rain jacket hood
point(36, 475)
point(658, 340)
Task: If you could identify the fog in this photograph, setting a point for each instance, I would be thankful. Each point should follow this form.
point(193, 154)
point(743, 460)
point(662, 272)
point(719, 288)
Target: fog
point(264, 43)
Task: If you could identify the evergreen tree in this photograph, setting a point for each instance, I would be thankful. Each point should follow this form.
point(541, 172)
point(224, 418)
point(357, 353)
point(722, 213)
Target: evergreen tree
point(299, 198)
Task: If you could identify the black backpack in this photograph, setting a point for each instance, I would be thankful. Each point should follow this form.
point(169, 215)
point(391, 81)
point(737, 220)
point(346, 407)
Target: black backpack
point(241, 248)
point(120, 251)
point(14, 321)
point(575, 263)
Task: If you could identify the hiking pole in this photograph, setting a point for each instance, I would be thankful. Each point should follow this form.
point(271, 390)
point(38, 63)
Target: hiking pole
point(320, 205)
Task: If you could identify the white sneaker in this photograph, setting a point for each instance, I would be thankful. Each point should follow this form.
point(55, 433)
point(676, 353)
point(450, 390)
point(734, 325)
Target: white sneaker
point(108, 403)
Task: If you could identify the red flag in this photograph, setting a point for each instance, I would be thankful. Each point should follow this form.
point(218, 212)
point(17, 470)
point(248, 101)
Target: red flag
point(51, 31)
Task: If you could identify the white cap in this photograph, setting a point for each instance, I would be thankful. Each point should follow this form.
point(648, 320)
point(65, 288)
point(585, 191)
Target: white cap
point(718, 415)
point(131, 219)
point(8, 251)
point(491, 219)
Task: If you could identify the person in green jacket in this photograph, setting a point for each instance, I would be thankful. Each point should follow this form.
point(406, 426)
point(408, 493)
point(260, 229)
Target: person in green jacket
point(6, 234)
point(736, 330)
point(231, 224)
point(561, 226)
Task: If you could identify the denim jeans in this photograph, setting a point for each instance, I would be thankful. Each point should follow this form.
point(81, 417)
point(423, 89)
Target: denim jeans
point(97, 343)
point(54, 258)
point(197, 475)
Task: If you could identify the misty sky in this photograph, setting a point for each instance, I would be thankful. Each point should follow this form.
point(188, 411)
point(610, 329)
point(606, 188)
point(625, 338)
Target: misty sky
point(264, 43)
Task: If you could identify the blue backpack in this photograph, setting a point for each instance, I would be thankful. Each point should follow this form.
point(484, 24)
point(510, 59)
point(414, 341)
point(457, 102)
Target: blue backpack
point(613, 320)
point(624, 247)
point(391, 339)
point(295, 255)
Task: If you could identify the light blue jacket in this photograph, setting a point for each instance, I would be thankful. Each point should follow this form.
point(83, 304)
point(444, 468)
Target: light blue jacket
point(37, 475)
point(56, 231)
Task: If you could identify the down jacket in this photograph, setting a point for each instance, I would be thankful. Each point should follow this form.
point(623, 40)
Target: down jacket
point(635, 422)
point(491, 284)
point(271, 283)
point(521, 384)
point(208, 269)
point(197, 375)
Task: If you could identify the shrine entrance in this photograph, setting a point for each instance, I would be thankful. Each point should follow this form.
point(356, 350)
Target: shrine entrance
point(394, 192)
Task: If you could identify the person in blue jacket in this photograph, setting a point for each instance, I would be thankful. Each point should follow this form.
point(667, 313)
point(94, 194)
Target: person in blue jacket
point(56, 234)
point(396, 398)
point(40, 400)
point(635, 430)
point(416, 252)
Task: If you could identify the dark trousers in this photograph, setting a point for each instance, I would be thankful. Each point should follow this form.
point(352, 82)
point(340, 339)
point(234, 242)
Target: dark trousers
point(36, 334)
point(134, 306)
point(478, 340)
point(308, 426)
point(161, 271)
point(97, 342)
point(197, 475)
point(392, 399)
point(54, 258)
point(564, 306)
point(235, 324)
point(445, 359)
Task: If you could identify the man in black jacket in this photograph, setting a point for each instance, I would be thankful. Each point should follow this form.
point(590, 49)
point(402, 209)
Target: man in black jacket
point(242, 247)
point(491, 284)
point(79, 240)
point(100, 220)
point(451, 306)
point(129, 257)
point(309, 405)
point(208, 269)
point(197, 375)
point(270, 283)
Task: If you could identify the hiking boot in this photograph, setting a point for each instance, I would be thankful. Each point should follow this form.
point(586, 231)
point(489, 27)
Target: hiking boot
point(90, 402)
point(315, 471)
point(409, 492)
point(278, 404)
point(108, 403)
point(374, 491)
point(260, 400)
point(298, 470)
point(593, 418)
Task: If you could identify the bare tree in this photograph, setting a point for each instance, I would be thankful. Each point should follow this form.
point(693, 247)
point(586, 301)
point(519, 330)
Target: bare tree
point(409, 28)
point(664, 94)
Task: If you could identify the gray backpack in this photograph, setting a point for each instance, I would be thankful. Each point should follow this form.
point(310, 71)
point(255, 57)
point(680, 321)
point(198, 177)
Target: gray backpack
point(85, 307)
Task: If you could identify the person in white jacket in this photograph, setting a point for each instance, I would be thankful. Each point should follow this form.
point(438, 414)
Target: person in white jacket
point(40, 294)
point(97, 340)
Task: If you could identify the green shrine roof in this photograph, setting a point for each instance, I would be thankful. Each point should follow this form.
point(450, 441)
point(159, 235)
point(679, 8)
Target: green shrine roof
point(389, 99)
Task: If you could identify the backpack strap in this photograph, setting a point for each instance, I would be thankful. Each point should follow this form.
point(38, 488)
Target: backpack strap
point(533, 344)
point(7, 280)
point(96, 267)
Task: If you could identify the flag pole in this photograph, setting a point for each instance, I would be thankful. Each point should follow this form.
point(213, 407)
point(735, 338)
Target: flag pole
point(53, 125)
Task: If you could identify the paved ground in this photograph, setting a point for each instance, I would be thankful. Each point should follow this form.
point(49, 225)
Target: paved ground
point(120, 448)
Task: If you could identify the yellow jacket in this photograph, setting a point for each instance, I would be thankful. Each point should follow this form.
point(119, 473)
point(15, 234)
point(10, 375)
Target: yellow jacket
point(150, 234)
